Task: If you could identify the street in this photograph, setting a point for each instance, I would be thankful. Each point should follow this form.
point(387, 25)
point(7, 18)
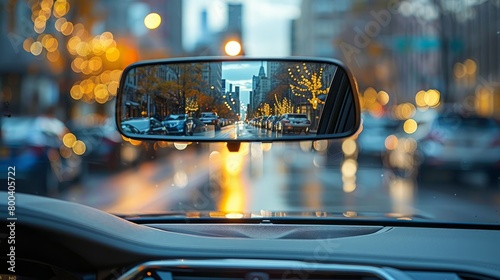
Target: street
point(242, 131)
point(278, 177)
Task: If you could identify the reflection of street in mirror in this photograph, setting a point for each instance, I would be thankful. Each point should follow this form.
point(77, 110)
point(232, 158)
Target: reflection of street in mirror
point(231, 100)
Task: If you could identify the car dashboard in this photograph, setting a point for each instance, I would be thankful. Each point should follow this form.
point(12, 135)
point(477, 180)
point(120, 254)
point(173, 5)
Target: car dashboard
point(63, 240)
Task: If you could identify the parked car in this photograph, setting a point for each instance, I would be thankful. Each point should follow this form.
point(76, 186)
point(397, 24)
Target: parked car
point(296, 123)
point(210, 118)
point(461, 146)
point(147, 125)
point(176, 124)
point(35, 148)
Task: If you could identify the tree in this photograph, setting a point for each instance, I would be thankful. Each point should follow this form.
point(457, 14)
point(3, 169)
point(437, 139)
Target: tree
point(308, 82)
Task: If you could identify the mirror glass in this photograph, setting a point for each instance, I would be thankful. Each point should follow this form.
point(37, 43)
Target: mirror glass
point(248, 100)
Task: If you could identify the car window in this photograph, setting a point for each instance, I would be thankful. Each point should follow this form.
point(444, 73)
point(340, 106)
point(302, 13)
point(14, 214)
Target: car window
point(427, 71)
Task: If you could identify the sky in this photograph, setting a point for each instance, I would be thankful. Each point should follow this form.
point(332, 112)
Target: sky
point(266, 23)
point(240, 74)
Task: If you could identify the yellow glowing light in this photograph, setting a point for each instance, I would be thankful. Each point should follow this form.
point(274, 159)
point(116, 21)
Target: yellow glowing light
point(234, 215)
point(83, 49)
point(59, 23)
point(54, 56)
point(67, 28)
point(181, 179)
point(383, 97)
point(105, 77)
point(95, 63)
point(410, 145)
point(69, 140)
point(115, 75)
point(370, 95)
point(320, 145)
point(60, 9)
point(266, 146)
point(180, 146)
point(27, 44)
point(40, 22)
point(79, 147)
point(36, 48)
point(459, 70)
point(233, 164)
point(432, 97)
point(76, 92)
point(100, 91)
point(420, 99)
point(470, 66)
point(232, 48)
point(113, 87)
point(112, 54)
point(349, 168)
point(349, 147)
point(349, 187)
point(152, 21)
point(391, 142)
point(85, 67)
point(135, 142)
point(50, 44)
point(410, 126)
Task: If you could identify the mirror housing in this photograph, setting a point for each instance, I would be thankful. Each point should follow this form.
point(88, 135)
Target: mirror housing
point(237, 99)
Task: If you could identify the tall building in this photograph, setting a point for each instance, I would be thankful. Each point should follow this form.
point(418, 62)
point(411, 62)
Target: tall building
point(260, 88)
point(212, 76)
point(234, 20)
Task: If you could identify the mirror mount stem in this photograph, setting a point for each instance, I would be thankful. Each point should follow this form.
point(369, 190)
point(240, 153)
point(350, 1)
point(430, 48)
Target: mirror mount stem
point(233, 147)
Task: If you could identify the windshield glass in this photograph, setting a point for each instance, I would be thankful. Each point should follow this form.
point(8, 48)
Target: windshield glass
point(428, 73)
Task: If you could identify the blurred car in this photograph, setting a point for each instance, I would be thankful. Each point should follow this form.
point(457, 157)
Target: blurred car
point(460, 146)
point(103, 145)
point(375, 131)
point(35, 148)
point(147, 125)
point(296, 123)
point(210, 118)
point(176, 124)
point(271, 121)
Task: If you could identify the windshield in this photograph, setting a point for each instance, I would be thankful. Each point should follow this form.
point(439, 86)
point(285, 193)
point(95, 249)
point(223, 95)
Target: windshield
point(428, 73)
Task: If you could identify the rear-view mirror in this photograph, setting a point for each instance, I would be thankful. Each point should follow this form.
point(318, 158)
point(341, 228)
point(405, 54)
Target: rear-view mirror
point(237, 99)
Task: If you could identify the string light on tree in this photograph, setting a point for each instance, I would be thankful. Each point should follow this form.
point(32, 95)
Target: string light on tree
point(307, 84)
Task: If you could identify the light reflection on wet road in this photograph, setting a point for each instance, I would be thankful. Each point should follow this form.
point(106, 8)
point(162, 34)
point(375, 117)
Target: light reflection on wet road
point(275, 177)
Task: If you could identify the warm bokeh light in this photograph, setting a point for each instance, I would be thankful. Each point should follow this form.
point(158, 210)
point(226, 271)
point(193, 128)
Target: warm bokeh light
point(36, 48)
point(432, 98)
point(410, 126)
point(349, 147)
point(420, 99)
point(349, 168)
point(320, 145)
point(470, 66)
point(391, 142)
point(232, 48)
point(152, 21)
point(370, 95)
point(266, 147)
point(79, 147)
point(180, 146)
point(459, 70)
point(69, 140)
point(383, 97)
